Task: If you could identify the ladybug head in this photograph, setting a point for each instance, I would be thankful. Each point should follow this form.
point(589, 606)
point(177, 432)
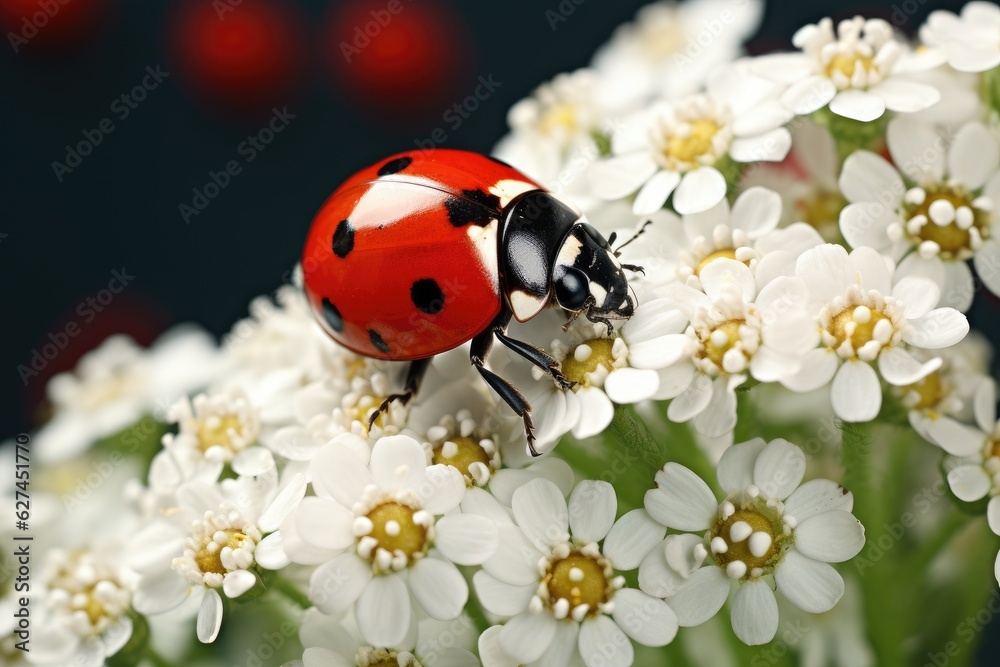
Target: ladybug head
point(588, 279)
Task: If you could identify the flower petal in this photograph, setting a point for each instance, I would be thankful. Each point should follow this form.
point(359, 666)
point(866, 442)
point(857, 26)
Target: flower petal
point(603, 644)
point(516, 559)
point(501, 598)
point(816, 496)
point(866, 223)
point(755, 613)
point(858, 105)
point(540, 510)
point(439, 588)
point(701, 597)
point(336, 584)
point(648, 620)
point(900, 368)
point(831, 537)
point(918, 295)
point(692, 401)
point(779, 469)
point(909, 140)
point(238, 582)
point(904, 96)
point(681, 499)
point(631, 385)
point(868, 177)
point(339, 474)
point(969, 482)
point(856, 394)
point(209, 616)
point(618, 177)
point(466, 539)
point(973, 156)
point(383, 611)
point(772, 146)
point(942, 327)
point(653, 194)
point(699, 190)
point(809, 94)
point(818, 368)
point(810, 585)
point(632, 537)
point(592, 509)
point(325, 524)
point(398, 462)
point(527, 636)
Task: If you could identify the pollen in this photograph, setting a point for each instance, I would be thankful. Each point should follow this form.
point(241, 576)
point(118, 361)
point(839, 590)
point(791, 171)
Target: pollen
point(821, 210)
point(946, 220)
point(847, 64)
point(393, 535)
point(692, 141)
point(461, 452)
point(215, 432)
point(209, 557)
point(580, 583)
point(558, 117)
point(721, 340)
point(725, 253)
point(928, 392)
point(590, 361)
point(860, 330)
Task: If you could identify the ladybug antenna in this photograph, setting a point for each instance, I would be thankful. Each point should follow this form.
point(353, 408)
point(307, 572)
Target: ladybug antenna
point(639, 232)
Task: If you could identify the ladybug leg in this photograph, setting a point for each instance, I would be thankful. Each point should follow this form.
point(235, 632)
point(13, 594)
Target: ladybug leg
point(511, 395)
point(414, 375)
point(538, 357)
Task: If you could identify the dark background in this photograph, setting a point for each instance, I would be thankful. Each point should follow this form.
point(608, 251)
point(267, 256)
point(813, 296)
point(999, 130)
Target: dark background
point(120, 207)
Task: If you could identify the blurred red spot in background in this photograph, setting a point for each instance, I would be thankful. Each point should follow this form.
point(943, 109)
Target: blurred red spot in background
point(400, 59)
point(52, 25)
point(237, 55)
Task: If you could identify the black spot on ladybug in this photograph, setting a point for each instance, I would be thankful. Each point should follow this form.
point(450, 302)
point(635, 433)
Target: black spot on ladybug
point(343, 239)
point(499, 161)
point(395, 166)
point(332, 316)
point(427, 296)
point(474, 207)
point(377, 341)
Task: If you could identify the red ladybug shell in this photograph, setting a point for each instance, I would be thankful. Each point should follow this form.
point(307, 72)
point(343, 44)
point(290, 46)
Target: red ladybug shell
point(401, 261)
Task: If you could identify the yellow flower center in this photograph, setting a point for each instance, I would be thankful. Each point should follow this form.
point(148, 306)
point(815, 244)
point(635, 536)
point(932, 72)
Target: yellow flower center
point(214, 432)
point(380, 657)
point(210, 560)
point(725, 253)
point(579, 579)
point(821, 210)
point(587, 357)
point(556, 117)
point(395, 530)
point(847, 64)
point(855, 324)
point(930, 391)
point(720, 340)
point(952, 238)
point(750, 536)
point(465, 452)
point(689, 146)
point(993, 449)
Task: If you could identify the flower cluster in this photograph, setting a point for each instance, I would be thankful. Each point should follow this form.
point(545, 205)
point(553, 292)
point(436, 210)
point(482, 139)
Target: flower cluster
point(810, 226)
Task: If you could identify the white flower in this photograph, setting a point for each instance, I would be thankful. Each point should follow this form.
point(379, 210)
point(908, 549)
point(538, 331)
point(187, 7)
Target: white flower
point(941, 403)
point(376, 528)
point(941, 207)
point(977, 476)
point(675, 147)
point(623, 367)
point(728, 333)
point(865, 315)
point(747, 233)
point(971, 41)
point(333, 641)
point(459, 441)
point(855, 70)
point(85, 601)
point(806, 180)
point(117, 383)
point(210, 540)
point(767, 528)
point(560, 111)
point(670, 48)
point(557, 585)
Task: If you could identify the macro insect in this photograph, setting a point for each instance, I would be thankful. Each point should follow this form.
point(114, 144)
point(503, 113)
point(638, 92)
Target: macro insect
point(424, 251)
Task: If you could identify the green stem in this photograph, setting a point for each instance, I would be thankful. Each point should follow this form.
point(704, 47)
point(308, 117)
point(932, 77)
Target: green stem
point(634, 436)
point(291, 591)
point(949, 526)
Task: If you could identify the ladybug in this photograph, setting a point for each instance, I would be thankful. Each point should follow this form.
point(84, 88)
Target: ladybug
point(424, 251)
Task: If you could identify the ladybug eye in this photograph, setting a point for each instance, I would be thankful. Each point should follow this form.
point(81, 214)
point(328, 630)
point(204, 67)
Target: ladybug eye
point(572, 289)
